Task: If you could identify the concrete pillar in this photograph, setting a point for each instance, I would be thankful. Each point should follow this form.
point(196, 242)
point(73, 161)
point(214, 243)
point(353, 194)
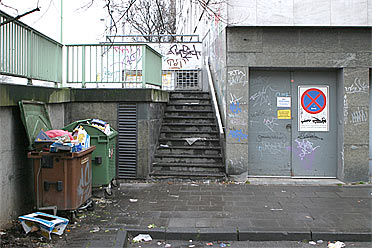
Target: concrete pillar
point(237, 120)
point(356, 124)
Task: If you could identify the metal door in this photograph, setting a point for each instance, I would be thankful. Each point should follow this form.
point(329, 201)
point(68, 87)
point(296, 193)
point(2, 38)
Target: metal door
point(314, 154)
point(269, 138)
point(276, 146)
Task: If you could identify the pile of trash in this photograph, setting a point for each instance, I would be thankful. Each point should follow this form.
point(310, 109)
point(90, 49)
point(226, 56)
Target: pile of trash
point(63, 141)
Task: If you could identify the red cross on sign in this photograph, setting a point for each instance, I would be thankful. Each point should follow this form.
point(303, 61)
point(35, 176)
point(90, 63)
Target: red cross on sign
point(313, 101)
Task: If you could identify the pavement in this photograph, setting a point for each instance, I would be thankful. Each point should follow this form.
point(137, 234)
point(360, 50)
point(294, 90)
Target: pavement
point(263, 210)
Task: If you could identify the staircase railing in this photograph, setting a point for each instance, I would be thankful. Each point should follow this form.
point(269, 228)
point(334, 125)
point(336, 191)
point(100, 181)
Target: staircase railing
point(27, 53)
point(214, 99)
point(217, 110)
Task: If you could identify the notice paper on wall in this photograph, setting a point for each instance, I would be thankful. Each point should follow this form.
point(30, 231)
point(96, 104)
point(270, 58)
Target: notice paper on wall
point(283, 102)
point(284, 114)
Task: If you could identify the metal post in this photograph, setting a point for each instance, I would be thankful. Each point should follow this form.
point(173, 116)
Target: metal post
point(83, 67)
point(61, 41)
point(143, 66)
point(370, 126)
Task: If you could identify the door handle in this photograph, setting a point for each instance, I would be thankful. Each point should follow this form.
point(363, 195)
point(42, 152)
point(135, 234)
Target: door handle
point(288, 126)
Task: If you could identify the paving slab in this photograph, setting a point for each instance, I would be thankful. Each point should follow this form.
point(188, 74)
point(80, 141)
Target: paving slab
point(220, 211)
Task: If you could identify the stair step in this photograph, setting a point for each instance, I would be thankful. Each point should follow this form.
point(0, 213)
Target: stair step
point(203, 165)
point(182, 142)
point(189, 132)
point(189, 104)
point(204, 129)
point(190, 124)
point(187, 156)
point(188, 117)
point(188, 92)
point(189, 98)
point(187, 174)
point(191, 147)
point(189, 110)
point(161, 140)
point(188, 114)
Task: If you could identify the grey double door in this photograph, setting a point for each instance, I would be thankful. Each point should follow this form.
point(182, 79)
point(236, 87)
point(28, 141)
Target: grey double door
point(276, 146)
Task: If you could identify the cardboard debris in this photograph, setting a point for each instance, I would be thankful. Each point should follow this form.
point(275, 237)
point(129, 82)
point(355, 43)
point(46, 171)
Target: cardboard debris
point(46, 223)
point(142, 237)
point(191, 141)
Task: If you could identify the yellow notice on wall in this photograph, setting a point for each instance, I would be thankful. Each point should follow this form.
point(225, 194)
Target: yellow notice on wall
point(284, 114)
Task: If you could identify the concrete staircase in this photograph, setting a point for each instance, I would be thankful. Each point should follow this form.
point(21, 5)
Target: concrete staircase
point(189, 144)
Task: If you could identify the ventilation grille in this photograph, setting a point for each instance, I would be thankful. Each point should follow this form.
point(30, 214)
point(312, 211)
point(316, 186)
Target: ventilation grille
point(187, 80)
point(127, 141)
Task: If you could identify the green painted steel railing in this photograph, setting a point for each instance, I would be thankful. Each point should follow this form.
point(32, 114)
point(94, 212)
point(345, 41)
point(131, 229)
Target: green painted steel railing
point(131, 65)
point(25, 52)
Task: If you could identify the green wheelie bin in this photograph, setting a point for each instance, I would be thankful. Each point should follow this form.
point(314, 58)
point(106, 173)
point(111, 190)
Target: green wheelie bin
point(104, 157)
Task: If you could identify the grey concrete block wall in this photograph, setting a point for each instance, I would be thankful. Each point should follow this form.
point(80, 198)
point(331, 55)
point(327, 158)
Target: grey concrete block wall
point(149, 121)
point(16, 182)
point(237, 119)
point(16, 175)
point(106, 111)
point(356, 125)
point(348, 50)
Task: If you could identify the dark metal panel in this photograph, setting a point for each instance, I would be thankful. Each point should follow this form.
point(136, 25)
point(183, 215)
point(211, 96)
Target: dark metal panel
point(127, 141)
point(269, 139)
point(314, 154)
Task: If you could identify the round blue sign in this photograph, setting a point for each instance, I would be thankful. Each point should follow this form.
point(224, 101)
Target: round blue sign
point(313, 101)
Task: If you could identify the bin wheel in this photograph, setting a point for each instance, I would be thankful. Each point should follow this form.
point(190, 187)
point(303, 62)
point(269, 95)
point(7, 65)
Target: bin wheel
point(91, 206)
point(108, 192)
point(72, 216)
point(114, 183)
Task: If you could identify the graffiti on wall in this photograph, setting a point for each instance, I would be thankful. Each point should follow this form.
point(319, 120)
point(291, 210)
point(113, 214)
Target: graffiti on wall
point(358, 86)
point(359, 116)
point(118, 61)
point(305, 147)
point(182, 56)
point(237, 113)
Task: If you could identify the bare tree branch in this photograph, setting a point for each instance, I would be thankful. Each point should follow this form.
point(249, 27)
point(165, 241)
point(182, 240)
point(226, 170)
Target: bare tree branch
point(19, 16)
point(10, 7)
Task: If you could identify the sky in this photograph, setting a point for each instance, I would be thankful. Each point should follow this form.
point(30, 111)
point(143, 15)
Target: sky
point(80, 25)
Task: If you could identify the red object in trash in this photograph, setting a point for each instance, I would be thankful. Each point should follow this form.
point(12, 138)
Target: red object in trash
point(58, 133)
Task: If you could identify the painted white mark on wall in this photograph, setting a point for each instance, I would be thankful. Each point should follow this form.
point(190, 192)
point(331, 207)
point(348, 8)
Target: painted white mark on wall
point(237, 77)
point(346, 109)
point(270, 123)
point(262, 97)
point(359, 117)
point(358, 86)
point(271, 147)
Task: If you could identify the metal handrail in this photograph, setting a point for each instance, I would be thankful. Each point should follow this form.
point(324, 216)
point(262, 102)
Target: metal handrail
point(27, 53)
point(214, 99)
point(132, 65)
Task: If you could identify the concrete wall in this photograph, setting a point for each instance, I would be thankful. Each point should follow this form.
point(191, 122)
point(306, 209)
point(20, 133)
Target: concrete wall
point(149, 121)
point(300, 12)
point(16, 169)
point(346, 49)
point(65, 106)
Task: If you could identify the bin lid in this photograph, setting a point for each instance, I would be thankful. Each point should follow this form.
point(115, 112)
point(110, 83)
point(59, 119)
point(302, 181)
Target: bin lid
point(35, 117)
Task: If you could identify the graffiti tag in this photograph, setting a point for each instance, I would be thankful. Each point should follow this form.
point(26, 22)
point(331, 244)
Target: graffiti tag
point(238, 134)
point(306, 147)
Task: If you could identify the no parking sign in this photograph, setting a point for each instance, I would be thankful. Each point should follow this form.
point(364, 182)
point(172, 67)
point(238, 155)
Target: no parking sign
point(313, 108)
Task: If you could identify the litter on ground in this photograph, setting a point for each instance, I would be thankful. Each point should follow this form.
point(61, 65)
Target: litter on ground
point(142, 237)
